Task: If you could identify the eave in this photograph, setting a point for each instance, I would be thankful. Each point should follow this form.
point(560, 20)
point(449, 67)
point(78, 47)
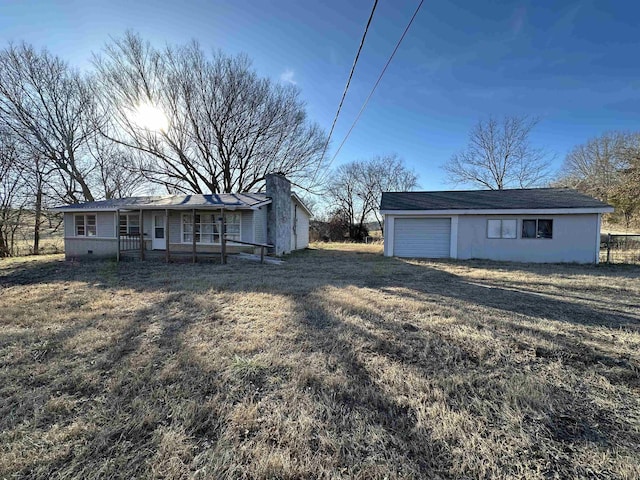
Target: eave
point(503, 211)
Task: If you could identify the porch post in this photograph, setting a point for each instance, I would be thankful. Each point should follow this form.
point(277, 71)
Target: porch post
point(223, 240)
point(166, 235)
point(141, 237)
point(193, 253)
point(118, 234)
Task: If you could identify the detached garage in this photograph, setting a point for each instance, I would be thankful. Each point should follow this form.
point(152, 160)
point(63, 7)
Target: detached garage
point(523, 225)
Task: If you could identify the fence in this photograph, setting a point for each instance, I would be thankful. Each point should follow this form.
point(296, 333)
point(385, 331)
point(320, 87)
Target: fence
point(619, 248)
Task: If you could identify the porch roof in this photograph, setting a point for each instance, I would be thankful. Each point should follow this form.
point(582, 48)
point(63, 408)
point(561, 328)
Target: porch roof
point(227, 201)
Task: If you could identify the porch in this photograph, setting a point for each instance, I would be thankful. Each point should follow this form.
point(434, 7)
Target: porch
point(186, 235)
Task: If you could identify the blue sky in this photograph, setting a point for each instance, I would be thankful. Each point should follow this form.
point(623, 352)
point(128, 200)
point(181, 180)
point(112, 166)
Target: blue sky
point(573, 64)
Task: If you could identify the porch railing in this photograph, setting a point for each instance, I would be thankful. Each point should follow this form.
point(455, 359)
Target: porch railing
point(130, 241)
point(261, 245)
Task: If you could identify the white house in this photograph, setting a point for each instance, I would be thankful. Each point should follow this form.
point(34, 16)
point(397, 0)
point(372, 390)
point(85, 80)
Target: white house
point(523, 225)
point(187, 225)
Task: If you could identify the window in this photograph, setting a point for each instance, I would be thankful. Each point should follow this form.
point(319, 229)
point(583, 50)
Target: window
point(232, 226)
point(85, 225)
point(537, 228)
point(207, 227)
point(130, 224)
point(501, 228)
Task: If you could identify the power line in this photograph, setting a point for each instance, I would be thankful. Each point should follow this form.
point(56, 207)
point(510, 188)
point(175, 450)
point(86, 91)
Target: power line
point(364, 105)
point(346, 88)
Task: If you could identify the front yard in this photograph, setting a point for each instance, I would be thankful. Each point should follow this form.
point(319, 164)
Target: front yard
point(339, 363)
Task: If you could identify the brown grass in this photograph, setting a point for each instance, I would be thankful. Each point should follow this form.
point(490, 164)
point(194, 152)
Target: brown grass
point(338, 364)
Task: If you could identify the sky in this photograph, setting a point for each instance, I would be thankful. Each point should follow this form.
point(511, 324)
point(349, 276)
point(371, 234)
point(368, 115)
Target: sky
point(574, 65)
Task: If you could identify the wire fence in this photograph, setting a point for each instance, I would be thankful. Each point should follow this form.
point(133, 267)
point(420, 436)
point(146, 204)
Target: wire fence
point(620, 248)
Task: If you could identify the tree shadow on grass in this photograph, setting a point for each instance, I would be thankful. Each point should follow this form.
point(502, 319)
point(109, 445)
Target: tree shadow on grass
point(132, 401)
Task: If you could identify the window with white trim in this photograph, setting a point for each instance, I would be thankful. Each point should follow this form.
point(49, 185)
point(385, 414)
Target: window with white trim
point(502, 228)
point(85, 225)
point(129, 224)
point(207, 229)
point(537, 228)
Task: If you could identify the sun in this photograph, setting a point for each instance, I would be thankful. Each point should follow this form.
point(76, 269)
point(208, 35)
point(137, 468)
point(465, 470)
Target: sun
point(150, 117)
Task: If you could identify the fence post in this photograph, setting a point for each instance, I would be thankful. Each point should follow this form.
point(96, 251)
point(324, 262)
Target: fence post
point(608, 248)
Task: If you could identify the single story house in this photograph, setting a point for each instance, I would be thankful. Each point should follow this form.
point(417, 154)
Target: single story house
point(521, 225)
point(187, 225)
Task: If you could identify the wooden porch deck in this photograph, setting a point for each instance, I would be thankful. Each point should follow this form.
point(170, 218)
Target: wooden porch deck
point(178, 257)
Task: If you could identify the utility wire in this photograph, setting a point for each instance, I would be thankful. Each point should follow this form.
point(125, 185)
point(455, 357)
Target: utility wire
point(346, 88)
point(364, 105)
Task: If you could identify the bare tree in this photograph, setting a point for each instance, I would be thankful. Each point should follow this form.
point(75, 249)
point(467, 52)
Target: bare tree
point(625, 195)
point(12, 195)
point(386, 174)
point(355, 188)
point(44, 103)
point(607, 167)
point(225, 127)
point(343, 194)
point(500, 155)
point(594, 167)
point(118, 175)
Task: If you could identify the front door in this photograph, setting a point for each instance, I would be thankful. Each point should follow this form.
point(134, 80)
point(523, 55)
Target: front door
point(158, 241)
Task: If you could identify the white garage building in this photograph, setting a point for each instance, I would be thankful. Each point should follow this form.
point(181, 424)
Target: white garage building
point(523, 225)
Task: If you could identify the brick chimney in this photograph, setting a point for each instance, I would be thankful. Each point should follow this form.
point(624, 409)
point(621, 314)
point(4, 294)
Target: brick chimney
point(279, 213)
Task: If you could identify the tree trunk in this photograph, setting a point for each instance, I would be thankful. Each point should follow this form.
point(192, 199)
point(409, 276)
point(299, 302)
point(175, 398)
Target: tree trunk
point(4, 248)
point(38, 215)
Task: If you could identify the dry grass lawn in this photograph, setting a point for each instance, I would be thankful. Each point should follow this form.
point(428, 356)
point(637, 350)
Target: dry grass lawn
point(338, 364)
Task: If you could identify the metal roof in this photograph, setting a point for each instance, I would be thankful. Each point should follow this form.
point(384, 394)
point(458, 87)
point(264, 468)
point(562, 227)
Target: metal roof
point(223, 200)
point(528, 198)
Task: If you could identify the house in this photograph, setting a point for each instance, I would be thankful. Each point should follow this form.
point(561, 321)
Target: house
point(187, 225)
point(523, 225)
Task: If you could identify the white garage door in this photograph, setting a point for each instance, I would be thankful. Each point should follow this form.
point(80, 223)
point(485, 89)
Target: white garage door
point(422, 237)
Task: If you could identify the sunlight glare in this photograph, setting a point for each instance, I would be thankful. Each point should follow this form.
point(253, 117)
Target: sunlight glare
point(150, 117)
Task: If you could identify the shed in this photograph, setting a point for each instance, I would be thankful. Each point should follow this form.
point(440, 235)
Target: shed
point(522, 225)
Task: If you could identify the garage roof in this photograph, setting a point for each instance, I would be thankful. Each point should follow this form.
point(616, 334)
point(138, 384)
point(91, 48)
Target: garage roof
point(516, 199)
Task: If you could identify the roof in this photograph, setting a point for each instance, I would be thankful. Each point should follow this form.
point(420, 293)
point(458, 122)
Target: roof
point(297, 198)
point(229, 201)
point(516, 199)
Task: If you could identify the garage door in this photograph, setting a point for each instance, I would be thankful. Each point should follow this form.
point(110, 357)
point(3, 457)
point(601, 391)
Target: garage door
point(422, 237)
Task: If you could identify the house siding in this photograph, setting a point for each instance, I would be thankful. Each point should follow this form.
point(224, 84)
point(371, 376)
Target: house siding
point(105, 224)
point(68, 225)
point(574, 240)
point(260, 225)
point(104, 244)
point(147, 227)
point(299, 229)
point(75, 247)
point(175, 228)
point(246, 226)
